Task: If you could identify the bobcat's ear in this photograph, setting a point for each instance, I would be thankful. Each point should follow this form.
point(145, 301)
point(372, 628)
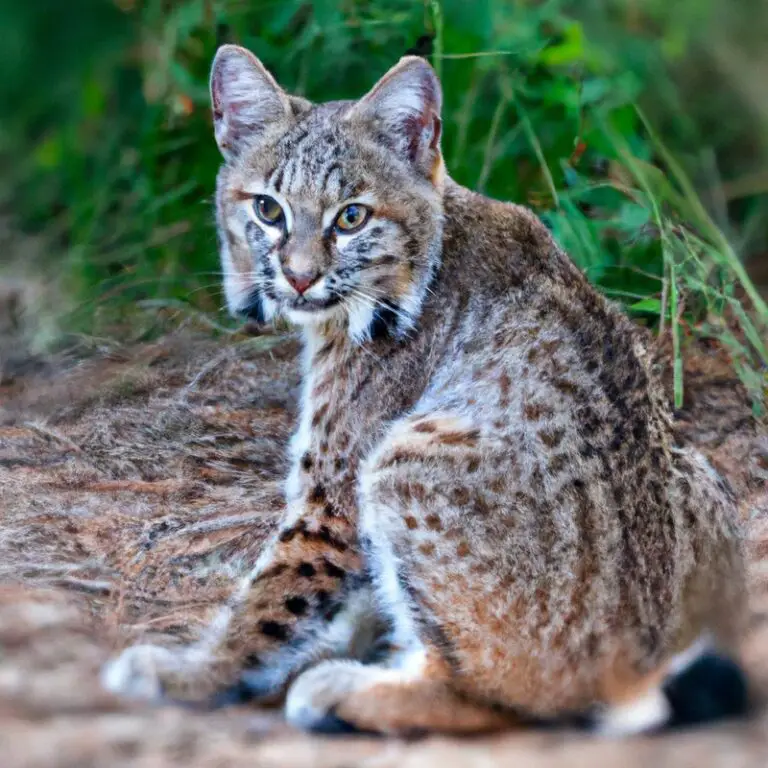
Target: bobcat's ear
point(404, 109)
point(246, 99)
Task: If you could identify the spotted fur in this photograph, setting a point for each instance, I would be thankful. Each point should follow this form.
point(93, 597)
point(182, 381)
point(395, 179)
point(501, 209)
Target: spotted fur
point(484, 471)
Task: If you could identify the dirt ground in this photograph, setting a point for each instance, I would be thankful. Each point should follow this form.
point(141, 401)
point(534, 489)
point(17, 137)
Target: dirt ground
point(136, 481)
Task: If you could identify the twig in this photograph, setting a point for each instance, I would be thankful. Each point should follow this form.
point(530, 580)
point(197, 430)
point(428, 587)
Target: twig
point(539, 152)
point(664, 300)
point(203, 372)
point(232, 521)
point(83, 585)
point(488, 156)
point(437, 19)
point(51, 435)
point(160, 487)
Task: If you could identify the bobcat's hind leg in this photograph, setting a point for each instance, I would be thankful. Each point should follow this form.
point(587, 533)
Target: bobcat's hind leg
point(415, 697)
point(415, 691)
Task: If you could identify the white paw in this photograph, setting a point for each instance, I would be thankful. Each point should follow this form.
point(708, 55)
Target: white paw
point(317, 693)
point(139, 672)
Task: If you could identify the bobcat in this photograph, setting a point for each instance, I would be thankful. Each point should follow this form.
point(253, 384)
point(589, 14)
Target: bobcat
point(487, 519)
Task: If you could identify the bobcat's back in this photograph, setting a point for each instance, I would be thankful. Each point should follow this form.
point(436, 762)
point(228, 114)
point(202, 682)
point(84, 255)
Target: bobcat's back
point(566, 524)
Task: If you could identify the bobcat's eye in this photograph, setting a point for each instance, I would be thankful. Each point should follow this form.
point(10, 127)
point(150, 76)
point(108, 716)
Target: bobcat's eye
point(352, 218)
point(268, 210)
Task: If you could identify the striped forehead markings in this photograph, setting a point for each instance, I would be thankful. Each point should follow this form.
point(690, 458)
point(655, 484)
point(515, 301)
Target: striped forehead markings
point(275, 177)
point(291, 152)
point(334, 169)
point(307, 157)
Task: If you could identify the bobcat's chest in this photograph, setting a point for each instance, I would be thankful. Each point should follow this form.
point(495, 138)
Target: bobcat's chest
point(351, 393)
point(334, 430)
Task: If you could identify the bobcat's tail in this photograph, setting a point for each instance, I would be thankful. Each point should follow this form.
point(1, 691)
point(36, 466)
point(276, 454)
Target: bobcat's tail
point(702, 686)
point(711, 687)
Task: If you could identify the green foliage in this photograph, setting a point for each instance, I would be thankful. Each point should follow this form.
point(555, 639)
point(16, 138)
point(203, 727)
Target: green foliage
point(111, 155)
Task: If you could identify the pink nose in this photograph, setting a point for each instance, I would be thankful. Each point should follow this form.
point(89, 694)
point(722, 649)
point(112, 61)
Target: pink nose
point(300, 281)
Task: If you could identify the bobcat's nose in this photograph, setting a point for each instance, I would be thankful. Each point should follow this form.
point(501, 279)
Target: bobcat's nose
point(300, 281)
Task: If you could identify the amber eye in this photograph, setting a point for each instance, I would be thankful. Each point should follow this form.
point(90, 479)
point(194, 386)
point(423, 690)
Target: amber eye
point(268, 210)
point(352, 218)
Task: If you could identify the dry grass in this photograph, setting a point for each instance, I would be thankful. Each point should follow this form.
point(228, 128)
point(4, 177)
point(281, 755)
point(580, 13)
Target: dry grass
point(135, 483)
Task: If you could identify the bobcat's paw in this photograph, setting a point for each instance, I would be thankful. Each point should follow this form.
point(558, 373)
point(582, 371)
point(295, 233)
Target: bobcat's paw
point(141, 672)
point(319, 700)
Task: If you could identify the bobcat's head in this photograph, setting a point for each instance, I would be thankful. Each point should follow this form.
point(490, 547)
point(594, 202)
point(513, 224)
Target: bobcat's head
point(328, 213)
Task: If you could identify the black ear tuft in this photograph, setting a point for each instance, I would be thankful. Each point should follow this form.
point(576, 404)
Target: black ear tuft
point(422, 47)
point(223, 33)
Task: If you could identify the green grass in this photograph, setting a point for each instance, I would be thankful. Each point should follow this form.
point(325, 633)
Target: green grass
point(611, 118)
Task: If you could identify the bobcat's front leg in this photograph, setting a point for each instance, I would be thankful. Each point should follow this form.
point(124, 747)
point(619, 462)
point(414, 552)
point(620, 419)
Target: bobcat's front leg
point(306, 599)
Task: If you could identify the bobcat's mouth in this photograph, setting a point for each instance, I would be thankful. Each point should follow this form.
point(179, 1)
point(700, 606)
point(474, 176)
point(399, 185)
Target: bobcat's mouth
point(308, 304)
point(301, 310)
point(261, 306)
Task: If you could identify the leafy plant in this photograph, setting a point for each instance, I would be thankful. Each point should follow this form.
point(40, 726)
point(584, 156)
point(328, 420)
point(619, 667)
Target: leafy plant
point(575, 109)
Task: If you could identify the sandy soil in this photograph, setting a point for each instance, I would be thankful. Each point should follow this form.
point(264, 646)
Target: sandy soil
point(135, 482)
